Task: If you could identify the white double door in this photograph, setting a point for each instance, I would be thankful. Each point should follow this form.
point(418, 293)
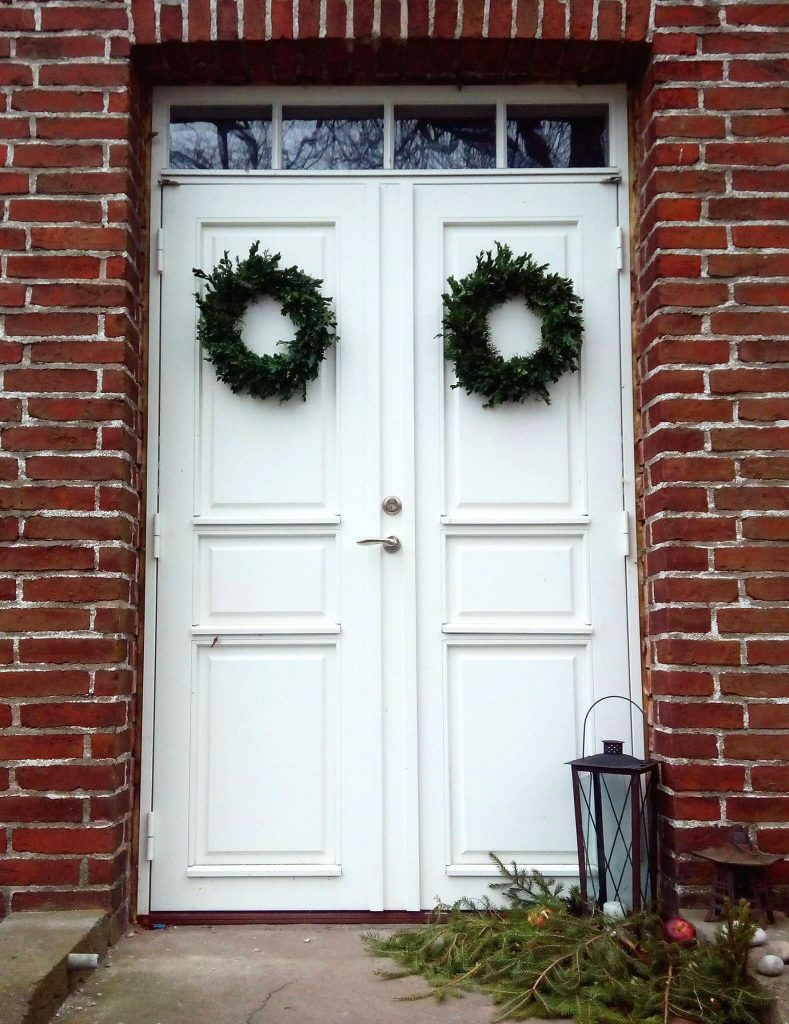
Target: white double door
point(337, 726)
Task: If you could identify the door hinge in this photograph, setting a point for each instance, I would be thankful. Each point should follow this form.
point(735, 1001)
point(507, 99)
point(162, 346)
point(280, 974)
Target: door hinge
point(626, 534)
point(160, 250)
point(620, 248)
point(150, 832)
point(156, 534)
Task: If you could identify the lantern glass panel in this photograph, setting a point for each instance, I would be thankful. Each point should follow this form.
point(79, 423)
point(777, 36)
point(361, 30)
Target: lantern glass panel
point(607, 837)
point(615, 832)
point(647, 785)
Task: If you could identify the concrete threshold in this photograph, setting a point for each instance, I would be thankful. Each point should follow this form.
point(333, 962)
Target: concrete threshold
point(283, 974)
point(34, 949)
point(249, 974)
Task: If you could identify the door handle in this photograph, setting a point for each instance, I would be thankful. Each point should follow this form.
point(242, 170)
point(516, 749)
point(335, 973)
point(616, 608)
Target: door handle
point(389, 544)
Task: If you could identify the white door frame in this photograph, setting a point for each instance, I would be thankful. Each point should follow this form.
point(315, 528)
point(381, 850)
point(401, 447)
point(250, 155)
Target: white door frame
point(613, 98)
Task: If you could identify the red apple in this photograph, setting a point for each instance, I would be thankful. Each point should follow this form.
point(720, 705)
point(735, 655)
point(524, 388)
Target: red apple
point(677, 929)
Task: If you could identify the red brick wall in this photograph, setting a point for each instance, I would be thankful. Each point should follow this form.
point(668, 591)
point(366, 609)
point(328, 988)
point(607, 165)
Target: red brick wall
point(713, 362)
point(72, 194)
point(712, 191)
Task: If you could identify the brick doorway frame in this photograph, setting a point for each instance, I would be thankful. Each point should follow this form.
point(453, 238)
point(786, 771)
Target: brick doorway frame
point(611, 97)
point(711, 264)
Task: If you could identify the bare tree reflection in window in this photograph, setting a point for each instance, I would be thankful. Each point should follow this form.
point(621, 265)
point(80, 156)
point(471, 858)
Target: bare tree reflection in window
point(344, 141)
point(445, 141)
point(220, 143)
point(573, 141)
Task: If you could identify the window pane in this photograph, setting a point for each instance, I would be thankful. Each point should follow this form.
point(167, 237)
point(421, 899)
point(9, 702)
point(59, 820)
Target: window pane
point(445, 138)
point(540, 138)
point(332, 138)
point(214, 139)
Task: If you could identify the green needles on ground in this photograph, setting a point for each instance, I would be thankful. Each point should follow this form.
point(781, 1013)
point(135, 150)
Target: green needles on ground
point(539, 959)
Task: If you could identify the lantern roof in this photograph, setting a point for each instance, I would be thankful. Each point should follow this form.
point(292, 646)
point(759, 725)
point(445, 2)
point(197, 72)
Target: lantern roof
point(616, 763)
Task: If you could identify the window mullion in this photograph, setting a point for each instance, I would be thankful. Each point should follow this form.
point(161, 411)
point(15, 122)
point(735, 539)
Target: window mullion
point(389, 136)
point(501, 135)
point(276, 136)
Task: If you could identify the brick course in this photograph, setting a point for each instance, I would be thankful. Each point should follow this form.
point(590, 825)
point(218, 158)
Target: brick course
point(710, 276)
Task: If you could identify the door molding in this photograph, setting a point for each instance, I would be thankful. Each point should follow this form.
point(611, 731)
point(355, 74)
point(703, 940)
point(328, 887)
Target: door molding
point(163, 179)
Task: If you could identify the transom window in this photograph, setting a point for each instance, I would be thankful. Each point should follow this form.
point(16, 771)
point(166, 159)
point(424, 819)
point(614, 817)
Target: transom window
point(414, 137)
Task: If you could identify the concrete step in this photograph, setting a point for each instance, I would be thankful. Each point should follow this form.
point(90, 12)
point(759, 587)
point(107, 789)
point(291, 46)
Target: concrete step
point(34, 949)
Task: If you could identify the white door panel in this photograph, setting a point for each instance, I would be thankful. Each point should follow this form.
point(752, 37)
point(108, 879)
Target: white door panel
point(481, 477)
point(337, 727)
point(501, 702)
point(265, 713)
point(521, 578)
point(259, 458)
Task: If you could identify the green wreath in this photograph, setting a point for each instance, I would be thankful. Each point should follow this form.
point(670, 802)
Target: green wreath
point(479, 367)
point(228, 292)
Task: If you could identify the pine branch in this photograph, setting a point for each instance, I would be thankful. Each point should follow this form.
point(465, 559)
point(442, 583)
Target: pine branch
point(557, 964)
point(667, 995)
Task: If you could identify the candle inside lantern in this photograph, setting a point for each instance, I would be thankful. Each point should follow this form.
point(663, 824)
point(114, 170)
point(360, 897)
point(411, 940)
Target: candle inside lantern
point(614, 909)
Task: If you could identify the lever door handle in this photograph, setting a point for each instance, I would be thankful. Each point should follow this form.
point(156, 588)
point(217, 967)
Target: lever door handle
point(389, 544)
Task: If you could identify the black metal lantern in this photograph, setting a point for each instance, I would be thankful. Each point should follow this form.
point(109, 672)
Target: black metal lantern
point(616, 826)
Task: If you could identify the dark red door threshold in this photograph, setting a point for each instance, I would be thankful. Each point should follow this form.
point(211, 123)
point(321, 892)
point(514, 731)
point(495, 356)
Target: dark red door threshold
point(208, 917)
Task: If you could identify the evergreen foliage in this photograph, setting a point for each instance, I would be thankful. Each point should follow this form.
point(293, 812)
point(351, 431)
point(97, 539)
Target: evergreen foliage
point(530, 889)
point(228, 292)
point(479, 367)
point(538, 959)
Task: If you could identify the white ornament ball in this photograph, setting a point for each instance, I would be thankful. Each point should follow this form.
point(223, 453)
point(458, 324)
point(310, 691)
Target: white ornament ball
point(771, 966)
point(614, 909)
point(781, 949)
point(759, 937)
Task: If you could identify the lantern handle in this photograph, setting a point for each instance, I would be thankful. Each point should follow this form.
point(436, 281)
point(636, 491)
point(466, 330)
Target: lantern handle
point(610, 696)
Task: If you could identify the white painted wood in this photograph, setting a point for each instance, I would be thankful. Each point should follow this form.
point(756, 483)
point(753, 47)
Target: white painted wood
point(265, 578)
point(513, 714)
point(261, 458)
point(518, 541)
point(267, 733)
point(159, 157)
point(530, 578)
point(501, 135)
point(548, 475)
point(265, 756)
point(398, 711)
point(399, 594)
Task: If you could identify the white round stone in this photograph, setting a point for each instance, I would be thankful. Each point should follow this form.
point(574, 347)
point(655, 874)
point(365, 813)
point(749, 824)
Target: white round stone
point(771, 966)
point(780, 948)
point(759, 937)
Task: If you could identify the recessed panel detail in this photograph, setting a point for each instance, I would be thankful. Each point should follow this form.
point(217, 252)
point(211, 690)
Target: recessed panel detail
point(262, 458)
point(272, 581)
point(514, 460)
point(521, 701)
point(264, 756)
point(516, 581)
